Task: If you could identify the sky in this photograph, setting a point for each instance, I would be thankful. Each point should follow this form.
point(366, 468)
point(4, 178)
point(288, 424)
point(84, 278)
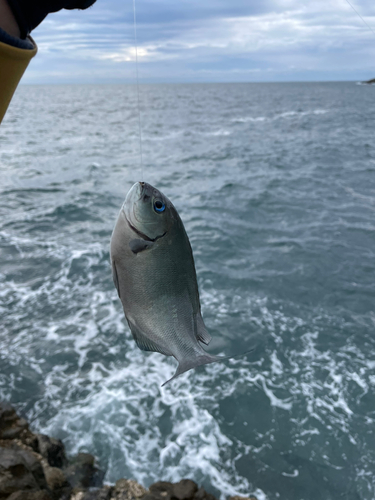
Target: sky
point(207, 41)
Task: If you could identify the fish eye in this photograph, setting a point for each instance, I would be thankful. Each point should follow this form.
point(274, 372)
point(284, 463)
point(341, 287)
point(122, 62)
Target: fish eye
point(159, 206)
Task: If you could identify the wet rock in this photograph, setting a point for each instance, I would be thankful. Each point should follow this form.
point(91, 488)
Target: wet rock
point(185, 489)
point(14, 431)
point(52, 450)
point(55, 478)
point(83, 473)
point(30, 495)
point(202, 494)
point(104, 493)
point(128, 489)
point(11, 426)
point(251, 497)
point(162, 490)
point(19, 470)
point(30, 440)
point(35, 467)
point(7, 415)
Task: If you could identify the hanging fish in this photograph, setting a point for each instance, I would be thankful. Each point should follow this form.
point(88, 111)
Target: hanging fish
point(154, 273)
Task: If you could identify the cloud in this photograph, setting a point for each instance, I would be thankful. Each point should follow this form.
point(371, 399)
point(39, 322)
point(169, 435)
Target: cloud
point(217, 40)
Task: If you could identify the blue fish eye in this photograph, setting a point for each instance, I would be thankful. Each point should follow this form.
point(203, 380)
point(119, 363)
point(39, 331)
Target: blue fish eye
point(159, 206)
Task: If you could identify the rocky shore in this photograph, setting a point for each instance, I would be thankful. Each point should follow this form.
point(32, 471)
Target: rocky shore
point(35, 467)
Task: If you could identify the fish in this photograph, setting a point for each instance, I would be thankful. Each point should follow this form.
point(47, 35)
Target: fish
point(154, 273)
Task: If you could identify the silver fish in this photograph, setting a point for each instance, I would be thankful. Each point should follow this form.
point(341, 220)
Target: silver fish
point(154, 273)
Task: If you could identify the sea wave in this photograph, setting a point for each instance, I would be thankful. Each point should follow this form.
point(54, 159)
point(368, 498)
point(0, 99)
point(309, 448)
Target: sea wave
point(285, 114)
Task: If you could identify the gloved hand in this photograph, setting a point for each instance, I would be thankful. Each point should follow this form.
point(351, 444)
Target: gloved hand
point(30, 13)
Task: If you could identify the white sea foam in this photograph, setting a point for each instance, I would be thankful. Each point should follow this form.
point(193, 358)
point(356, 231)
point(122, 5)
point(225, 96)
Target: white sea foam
point(275, 401)
point(247, 119)
point(277, 366)
point(285, 114)
point(295, 473)
point(220, 132)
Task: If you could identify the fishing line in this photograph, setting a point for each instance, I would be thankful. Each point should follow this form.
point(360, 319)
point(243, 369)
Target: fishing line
point(137, 78)
point(369, 27)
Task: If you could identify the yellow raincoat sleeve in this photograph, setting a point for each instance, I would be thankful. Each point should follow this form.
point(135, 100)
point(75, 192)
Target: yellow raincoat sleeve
point(13, 63)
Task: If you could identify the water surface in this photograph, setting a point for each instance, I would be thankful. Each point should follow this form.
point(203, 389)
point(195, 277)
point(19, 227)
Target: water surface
point(276, 186)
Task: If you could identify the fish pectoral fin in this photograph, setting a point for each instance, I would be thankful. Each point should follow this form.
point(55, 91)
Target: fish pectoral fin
point(115, 278)
point(138, 245)
point(202, 333)
point(144, 343)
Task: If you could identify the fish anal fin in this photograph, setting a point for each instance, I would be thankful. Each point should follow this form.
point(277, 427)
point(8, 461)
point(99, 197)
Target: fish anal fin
point(144, 343)
point(202, 333)
point(138, 245)
point(115, 278)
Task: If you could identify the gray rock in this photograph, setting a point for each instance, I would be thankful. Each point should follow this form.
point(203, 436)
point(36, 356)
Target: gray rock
point(251, 497)
point(185, 489)
point(7, 414)
point(11, 426)
point(128, 489)
point(55, 478)
point(162, 490)
point(34, 466)
point(30, 495)
point(19, 470)
point(104, 493)
point(52, 450)
point(82, 473)
point(202, 494)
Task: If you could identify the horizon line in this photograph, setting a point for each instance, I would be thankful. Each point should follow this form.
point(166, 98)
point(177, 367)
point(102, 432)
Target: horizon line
point(193, 82)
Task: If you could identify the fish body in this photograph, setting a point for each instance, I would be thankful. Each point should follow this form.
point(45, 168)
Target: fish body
point(154, 273)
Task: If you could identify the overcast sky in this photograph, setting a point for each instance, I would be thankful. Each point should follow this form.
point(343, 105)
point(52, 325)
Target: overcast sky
point(207, 41)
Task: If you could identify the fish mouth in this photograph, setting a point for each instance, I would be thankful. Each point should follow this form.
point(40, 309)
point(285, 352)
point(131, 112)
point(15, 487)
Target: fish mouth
point(143, 235)
point(138, 193)
point(144, 195)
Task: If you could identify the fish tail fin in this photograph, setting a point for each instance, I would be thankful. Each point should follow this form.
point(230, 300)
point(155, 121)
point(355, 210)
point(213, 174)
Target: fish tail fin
point(203, 359)
point(190, 363)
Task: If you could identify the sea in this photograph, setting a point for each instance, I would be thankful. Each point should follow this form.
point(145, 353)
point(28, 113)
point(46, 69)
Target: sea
point(275, 184)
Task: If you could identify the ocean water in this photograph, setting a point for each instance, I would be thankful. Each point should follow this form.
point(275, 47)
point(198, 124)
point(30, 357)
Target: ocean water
point(276, 186)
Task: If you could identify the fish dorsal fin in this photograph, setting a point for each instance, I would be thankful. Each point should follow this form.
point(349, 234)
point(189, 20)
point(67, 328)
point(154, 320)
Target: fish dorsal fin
point(143, 342)
point(202, 333)
point(138, 245)
point(115, 278)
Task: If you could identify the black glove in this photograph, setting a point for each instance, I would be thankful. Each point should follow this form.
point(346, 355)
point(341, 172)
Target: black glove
point(29, 13)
